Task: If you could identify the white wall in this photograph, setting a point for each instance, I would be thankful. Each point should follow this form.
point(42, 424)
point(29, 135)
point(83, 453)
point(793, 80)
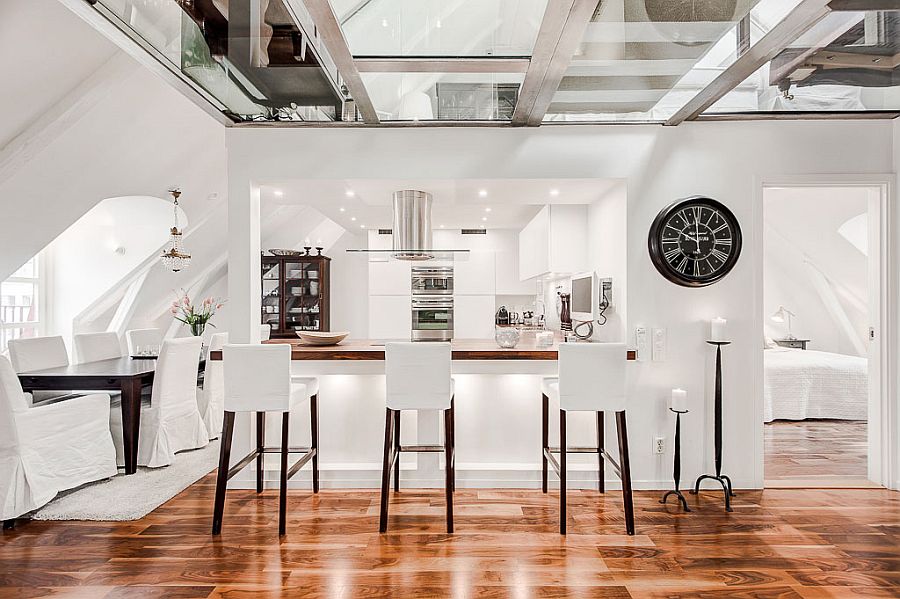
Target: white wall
point(608, 254)
point(726, 161)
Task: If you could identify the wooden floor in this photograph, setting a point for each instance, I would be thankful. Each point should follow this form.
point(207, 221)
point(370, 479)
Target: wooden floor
point(816, 452)
point(777, 543)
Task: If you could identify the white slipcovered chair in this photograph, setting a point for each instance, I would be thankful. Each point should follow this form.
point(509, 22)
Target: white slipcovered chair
point(258, 379)
point(94, 347)
point(211, 398)
point(40, 353)
point(141, 338)
point(591, 379)
point(417, 378)
point(50, 448)
point(171, 422)
point(265, 332)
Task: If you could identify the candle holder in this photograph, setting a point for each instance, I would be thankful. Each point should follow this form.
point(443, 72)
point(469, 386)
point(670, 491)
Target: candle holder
point(319, 249)
point(719, 477)
point(676, 469)
point(307, 248)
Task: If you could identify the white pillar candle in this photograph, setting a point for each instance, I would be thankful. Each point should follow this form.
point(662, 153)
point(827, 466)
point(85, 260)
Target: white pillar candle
point(678, 401)
point(717, 329)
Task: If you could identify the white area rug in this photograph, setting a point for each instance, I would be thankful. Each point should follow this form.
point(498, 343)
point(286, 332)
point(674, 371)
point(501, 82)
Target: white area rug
point(123, 498)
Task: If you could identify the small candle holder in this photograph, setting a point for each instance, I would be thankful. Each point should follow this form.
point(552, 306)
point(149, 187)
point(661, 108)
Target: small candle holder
point(307, 248)
point(676, 469)
point(319, 249)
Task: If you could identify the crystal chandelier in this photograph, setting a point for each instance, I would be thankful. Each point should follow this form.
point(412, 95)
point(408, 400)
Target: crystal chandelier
point(175, 258)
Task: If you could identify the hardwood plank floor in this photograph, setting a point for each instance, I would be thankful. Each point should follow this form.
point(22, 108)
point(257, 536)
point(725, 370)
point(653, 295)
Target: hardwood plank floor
point(816, 452)
point(778, 543)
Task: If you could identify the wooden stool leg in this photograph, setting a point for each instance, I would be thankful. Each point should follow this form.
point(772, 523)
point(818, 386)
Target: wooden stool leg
point(453, 443)
point(562, 472)
point(545, 439)
point(448, 465)
point(9, 524)
point(397, 450)
point(625, 465)
point(386, 470)
point(282, 500)
point(222, 476)
point(601, 471)
point(260, 443)
point(314, 439)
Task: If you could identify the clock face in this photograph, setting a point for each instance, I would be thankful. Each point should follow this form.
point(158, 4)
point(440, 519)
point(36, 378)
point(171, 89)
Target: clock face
point(695, 242)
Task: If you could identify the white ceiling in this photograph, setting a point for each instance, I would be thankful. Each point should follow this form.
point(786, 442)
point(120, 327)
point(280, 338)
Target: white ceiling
point(470, 203)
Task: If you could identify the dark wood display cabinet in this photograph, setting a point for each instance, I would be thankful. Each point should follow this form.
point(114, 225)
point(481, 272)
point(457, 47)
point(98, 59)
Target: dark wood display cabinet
point(296, 293)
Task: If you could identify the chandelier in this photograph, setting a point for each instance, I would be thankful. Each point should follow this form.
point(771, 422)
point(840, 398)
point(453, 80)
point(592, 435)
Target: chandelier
point(175, 258)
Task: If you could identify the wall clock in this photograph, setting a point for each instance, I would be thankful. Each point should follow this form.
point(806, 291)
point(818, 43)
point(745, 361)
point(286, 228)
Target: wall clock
point(695, 241)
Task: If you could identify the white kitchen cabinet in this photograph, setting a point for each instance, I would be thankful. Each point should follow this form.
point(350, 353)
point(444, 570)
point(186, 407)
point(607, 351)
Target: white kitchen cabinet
point(392, 277)
point(475, 275)
point(473, 316)
point(555, 241)
point(390, 317)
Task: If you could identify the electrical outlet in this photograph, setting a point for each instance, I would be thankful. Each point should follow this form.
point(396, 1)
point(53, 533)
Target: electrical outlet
point(642, 343)
point(659, 445)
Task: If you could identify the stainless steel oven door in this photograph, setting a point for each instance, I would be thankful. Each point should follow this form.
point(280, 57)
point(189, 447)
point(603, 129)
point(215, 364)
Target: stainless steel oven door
point(435, 280)
point(432, 318)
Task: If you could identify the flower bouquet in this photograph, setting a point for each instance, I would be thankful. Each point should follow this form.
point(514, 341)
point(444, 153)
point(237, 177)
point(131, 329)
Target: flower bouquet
point(196, 317)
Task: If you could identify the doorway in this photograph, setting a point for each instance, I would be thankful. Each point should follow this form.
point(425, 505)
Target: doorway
point(822, 346)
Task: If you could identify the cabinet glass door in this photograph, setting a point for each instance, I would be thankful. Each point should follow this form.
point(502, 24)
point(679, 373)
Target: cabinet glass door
point(271, 295)
point(302, 295)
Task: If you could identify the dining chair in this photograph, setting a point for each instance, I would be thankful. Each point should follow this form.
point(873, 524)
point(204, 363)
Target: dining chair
point(171, 422)
point(40, 353)
point(417, 378)
point(139, 339)
point(265, 332)
point(591, 379)
point(94, 347)
point(211, 398)
point(45, 449)
point(258, 379)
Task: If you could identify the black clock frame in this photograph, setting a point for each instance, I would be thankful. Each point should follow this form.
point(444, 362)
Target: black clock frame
point(655, 248)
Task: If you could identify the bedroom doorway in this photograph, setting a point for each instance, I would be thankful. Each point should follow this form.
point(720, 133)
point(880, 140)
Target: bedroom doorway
point(821, 298)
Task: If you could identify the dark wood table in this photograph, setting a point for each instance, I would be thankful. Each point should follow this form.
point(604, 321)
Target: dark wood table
point(120, 374)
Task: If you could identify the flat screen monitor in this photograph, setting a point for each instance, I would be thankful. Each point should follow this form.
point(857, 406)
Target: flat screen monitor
point(584, 290)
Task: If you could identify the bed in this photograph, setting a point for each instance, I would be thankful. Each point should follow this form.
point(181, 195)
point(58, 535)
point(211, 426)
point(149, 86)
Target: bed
point(801, 384)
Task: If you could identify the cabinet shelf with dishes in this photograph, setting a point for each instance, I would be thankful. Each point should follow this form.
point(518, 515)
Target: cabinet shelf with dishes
point(296, 293)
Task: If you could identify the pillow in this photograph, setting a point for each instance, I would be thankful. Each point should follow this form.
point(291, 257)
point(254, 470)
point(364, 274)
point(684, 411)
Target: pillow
point(769, 343)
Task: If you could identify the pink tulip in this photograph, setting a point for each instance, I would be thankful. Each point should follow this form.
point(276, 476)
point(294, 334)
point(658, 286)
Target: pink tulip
point(174, 310)
point(186, 301)
point(218, 306)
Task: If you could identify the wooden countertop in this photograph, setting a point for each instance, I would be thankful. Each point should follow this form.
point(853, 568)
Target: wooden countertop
point(463, 349)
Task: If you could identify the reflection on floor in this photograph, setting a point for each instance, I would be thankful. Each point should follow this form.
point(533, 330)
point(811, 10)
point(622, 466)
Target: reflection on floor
point(816, 453)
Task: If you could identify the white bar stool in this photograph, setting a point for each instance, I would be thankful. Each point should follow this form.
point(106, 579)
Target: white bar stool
point(258, 379)
point(418, 378)
point(591, 379)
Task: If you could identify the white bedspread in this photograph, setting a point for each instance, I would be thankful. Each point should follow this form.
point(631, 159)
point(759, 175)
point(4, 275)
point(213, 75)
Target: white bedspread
point(802, 384)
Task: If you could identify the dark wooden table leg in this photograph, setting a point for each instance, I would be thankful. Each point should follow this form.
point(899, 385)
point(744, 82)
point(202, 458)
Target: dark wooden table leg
point(386, 470)
point(260, 444)
point(545, 439)
point(396, 434)
point(131, 422)
point(601, 469)
point(562, 472)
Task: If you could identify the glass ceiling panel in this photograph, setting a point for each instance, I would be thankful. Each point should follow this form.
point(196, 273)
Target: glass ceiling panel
point(642, 60)
point(432, 28)
point(271, 72)
point(443, 96)
point(850, 61)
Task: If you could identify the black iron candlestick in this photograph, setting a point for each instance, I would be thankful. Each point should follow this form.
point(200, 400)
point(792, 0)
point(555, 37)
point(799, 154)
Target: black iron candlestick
point(676, 471)
point(721, 478)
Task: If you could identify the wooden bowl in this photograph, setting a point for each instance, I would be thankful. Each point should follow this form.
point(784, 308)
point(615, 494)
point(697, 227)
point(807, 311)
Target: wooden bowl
point(322, 337)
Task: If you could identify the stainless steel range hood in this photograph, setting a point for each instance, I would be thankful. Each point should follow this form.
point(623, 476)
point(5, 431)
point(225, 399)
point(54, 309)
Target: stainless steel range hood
point(411, 229)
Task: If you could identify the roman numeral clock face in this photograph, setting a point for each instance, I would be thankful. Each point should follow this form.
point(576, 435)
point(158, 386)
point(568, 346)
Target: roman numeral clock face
point(695, 242)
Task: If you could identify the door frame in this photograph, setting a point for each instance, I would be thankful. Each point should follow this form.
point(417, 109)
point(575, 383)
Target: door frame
point(884, 407)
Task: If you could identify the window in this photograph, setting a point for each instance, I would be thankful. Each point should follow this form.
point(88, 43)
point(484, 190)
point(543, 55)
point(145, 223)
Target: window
point(20, 295)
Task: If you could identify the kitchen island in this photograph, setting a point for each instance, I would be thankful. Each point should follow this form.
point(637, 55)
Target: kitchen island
point(498, 417)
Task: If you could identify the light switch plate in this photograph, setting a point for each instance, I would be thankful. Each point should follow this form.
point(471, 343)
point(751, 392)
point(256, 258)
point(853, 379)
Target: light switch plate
point(658, 341)
point(642, 343)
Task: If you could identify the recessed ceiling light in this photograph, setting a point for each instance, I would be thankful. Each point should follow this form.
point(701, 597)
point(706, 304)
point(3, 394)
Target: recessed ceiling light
point(350, 193)
point(482, 193)
point(353, 218)
point(482, 226)
point(442, 226)
point(437, 23)
point(487, 209)
point(362, 226)
point(341, 209)
point(554, 192)
point(384, 22)
point(279, 193)
point(484, 218)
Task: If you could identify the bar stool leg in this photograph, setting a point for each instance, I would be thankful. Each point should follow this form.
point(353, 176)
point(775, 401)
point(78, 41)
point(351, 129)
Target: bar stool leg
point(601, 472)
point(562, 472)
point(222, 476)
point(397, 450)
point(386, 471)
point(545, 439)
point(448, 465)
point(453, 442)
point(282, 501)
point(625, 465)
point(260, 443)
point(314, 439)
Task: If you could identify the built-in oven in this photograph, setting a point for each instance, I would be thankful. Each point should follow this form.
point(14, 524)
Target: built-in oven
point(432, 318)
point(432, 280)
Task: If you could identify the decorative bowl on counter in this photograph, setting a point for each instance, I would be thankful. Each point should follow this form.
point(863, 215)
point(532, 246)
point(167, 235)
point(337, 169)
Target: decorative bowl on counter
point(284, 252)
point(322, 337)
point(506, 337)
